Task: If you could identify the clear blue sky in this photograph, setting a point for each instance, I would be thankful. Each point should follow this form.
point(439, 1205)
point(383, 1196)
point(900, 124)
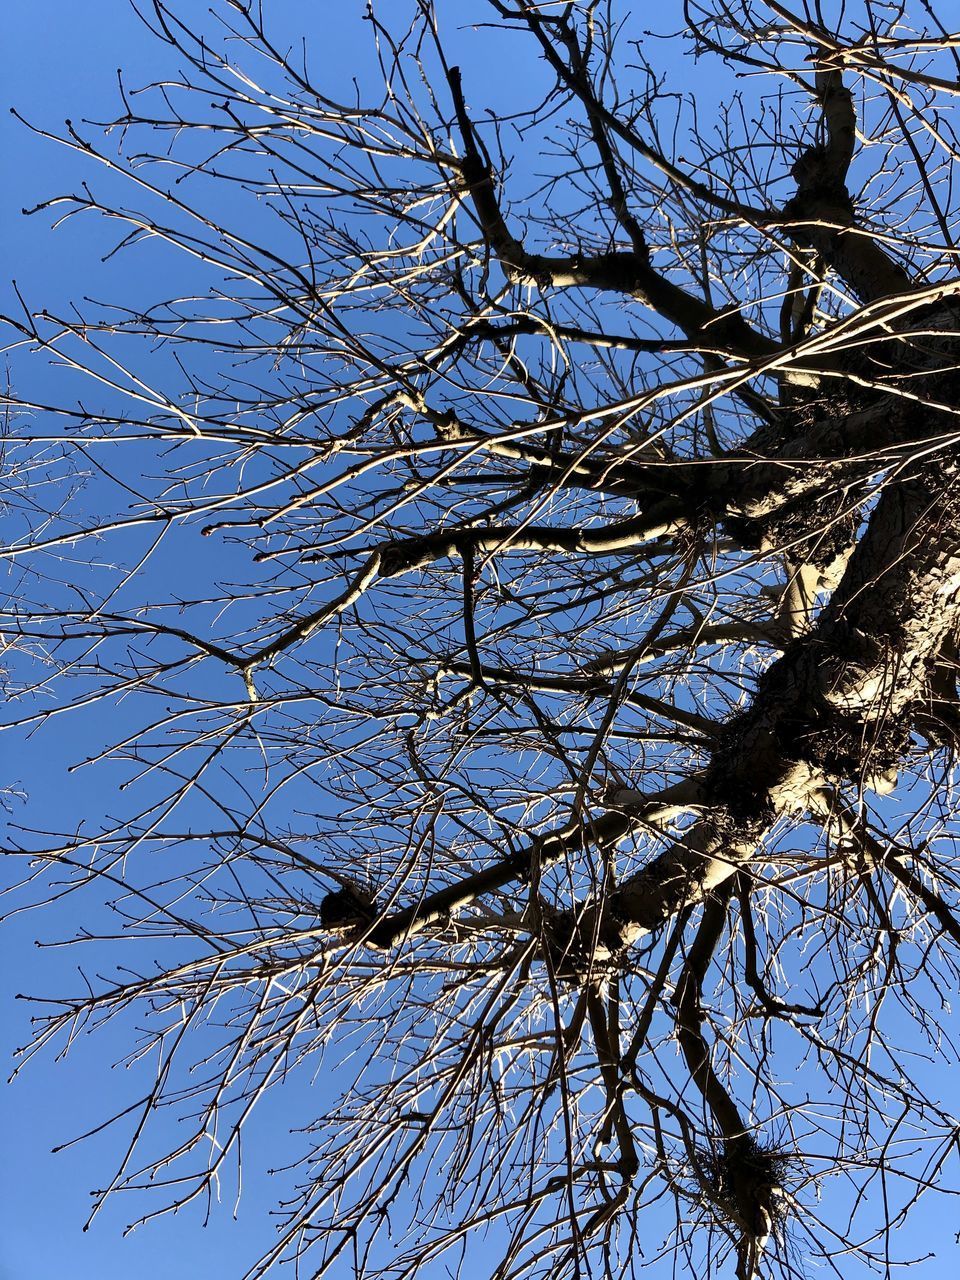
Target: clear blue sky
point(60, 60)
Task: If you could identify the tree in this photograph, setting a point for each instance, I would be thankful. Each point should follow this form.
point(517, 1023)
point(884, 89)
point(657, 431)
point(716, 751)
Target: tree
point(562, 738)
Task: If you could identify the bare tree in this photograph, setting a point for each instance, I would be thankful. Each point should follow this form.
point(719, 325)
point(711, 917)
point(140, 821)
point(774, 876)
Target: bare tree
point(561, 740)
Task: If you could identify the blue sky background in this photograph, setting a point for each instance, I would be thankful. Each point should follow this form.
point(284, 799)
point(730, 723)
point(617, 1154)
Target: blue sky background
point(61, 62)
point(60, 59)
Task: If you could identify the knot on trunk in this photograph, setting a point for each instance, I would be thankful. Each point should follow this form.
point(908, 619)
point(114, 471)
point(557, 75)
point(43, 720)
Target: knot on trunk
point(348, 906)
point(580, 945)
